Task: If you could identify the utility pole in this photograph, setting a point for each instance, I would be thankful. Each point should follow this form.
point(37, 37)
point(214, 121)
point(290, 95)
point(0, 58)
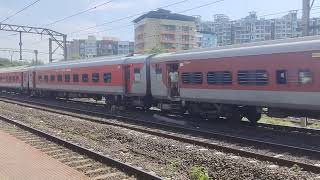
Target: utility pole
point(306, 8)
point(20, 45)
point(11, 54)
point(36, 56)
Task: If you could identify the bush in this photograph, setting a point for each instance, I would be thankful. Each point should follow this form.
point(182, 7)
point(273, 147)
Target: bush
point(199, 173)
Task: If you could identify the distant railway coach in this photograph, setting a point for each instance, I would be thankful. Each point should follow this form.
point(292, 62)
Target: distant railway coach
point(231, 82)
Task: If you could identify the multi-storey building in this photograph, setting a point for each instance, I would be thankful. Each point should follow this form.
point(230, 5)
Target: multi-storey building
point(286, 26)
point(73, 49)
point(82, 46)
point(122, 48)
point(222, 27)
point(165, 30)
point(252, 28)
point(206, 39)
point(91, 46)
point(105, 47)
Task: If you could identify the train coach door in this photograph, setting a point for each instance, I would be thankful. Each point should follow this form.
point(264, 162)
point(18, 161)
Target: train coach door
point(22, 80)
point(173, 80)
point(33, 79)
point(127, 79)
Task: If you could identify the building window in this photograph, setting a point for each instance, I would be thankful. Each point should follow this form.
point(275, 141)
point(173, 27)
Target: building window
point(219, 78)
point(52, 77)
point(305, 77)
point(39, 78)
point(281, 76)
point(67, 78)
point(95, 77)
point(137, 75)
point(46, 78)
point(255, 77)
point(76, 78)
point(107, 77)
point(59, 78)
point(192, 78)
point(85, 77)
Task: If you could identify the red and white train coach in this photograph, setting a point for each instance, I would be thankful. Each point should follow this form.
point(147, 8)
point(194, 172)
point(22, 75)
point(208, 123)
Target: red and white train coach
point(237, 81)
point(232, 82)
point(12, 79)
point(121, 80)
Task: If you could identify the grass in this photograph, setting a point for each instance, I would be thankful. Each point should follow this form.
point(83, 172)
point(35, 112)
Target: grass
point(199, 173)
point(173, 166)
point(287, 122)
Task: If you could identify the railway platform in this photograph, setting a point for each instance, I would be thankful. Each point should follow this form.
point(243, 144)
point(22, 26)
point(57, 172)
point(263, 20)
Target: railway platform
point(19, 160)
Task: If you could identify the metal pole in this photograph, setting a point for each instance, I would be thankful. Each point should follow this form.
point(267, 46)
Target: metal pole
point(50, 50)
point(36, 55)
point(305, 17)
point(65, 47)
point(20, 44)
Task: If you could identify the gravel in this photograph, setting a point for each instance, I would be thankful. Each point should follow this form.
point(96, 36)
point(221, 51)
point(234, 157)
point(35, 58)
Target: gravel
point(165, 157)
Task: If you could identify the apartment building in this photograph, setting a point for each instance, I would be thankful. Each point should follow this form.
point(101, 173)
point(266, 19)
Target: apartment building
point(206, 39)
point(165, 30)
point(287, 26)
point(91, 47)
point(251, 29)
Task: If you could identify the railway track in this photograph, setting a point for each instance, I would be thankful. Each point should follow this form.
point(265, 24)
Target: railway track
point(302, 130)
point(93, 164)
point(190, 139)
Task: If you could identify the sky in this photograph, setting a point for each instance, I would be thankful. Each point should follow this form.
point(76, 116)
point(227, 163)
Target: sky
point(45, 12)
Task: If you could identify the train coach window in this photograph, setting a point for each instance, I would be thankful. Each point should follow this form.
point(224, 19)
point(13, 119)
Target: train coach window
point(158, 73)
point(107, 77)
point(305, 77)
point(219, 78)
point(85, 77)
point(59, 78)
point(192, 78)
point(67, 77)
point(52, 77)
point(46, 78)
point(137, 75)
point(75, 78)
point(95, 77)
point(255, 77)
point(281, 76)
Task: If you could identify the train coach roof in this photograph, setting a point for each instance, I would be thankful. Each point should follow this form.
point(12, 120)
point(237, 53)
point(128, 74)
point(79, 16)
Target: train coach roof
point(93, 62)
point(268, 47)
point(14, 69)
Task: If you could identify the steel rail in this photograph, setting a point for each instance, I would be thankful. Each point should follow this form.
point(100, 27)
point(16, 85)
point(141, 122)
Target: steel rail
point(245, 153)
point(140, 174)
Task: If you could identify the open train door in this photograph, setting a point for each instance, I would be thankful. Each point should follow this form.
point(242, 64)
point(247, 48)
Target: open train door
point(127, 80)
point(173, 79)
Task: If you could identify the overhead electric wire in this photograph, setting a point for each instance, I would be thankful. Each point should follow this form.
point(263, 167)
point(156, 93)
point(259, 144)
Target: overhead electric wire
point(126, 17)
point(7, 18)
point(204, 5)
point(78, 13)
point(197, 7)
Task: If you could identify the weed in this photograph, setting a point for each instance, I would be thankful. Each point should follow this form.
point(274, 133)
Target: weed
point(296, 168)
point(199, 173)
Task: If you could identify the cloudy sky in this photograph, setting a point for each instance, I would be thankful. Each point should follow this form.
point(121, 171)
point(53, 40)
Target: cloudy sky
point(47, 11)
